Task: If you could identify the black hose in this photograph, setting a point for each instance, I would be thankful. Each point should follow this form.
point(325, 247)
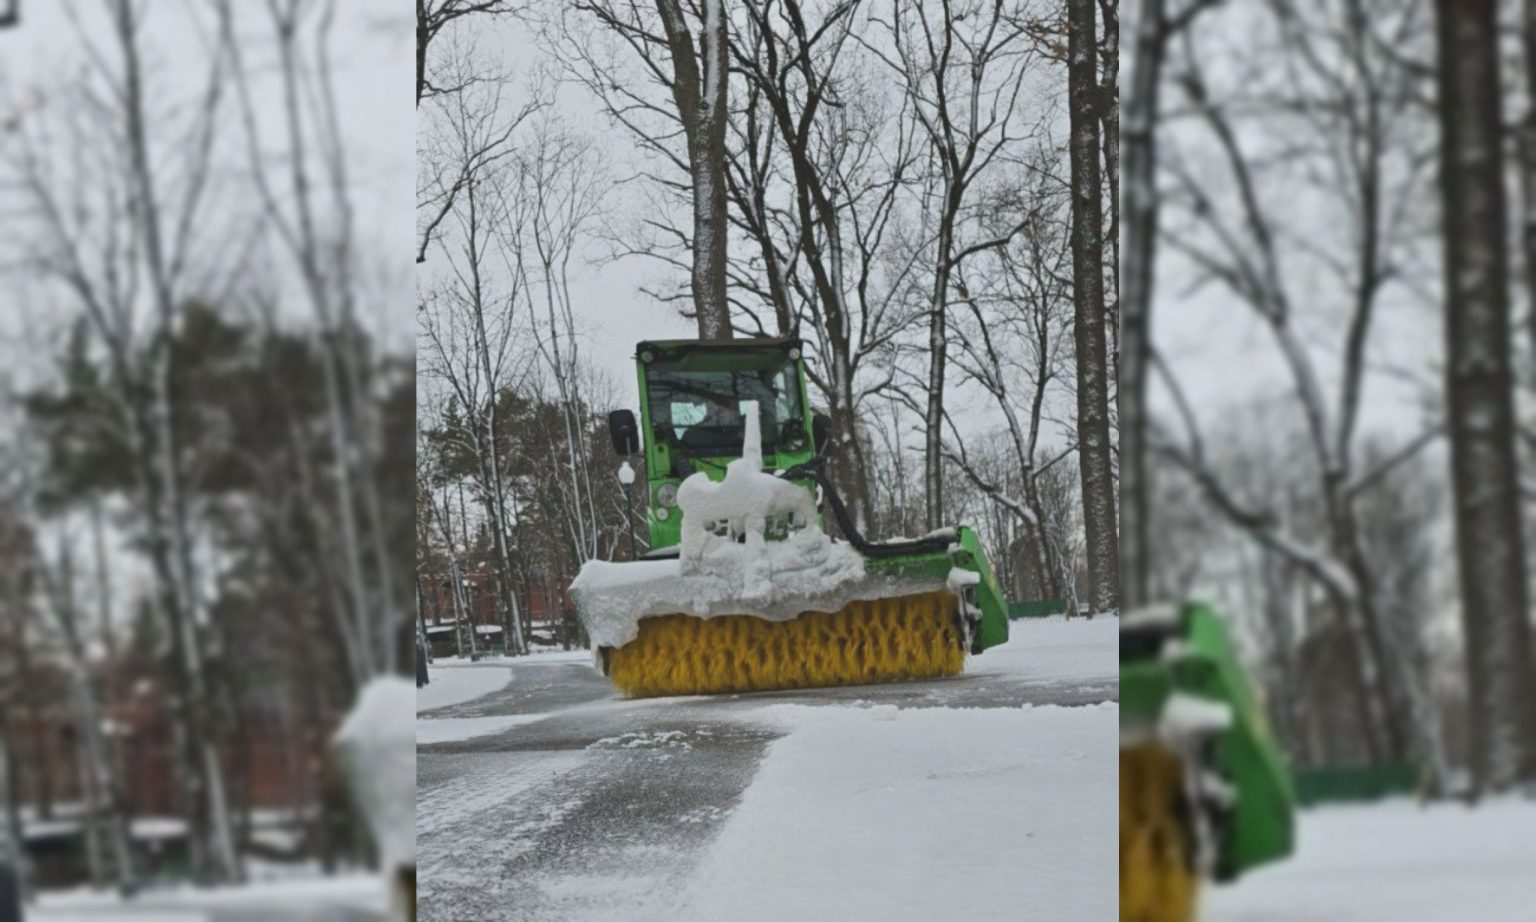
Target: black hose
point(929, 544)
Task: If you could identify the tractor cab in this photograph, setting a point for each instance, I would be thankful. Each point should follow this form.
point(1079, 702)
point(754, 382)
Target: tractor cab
point(693, 397)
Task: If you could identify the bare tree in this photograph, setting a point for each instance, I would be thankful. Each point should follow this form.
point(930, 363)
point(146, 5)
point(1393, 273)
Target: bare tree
point(434, 16)
point(1156, 26)
point(324, 257)
point(849, 163)
point(562, 181)
point(107, 836)
point(1016, 347)
point(477, 109)
point(470, 325)
point(1358, 104)
point(149, 235)
point(963, 68)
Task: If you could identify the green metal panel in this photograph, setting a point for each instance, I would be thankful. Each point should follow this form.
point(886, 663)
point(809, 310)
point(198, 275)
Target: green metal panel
point(1262, 827)
point(989, 595)
point(1039, 608)
point(1356, 784)
point(1245, 755)
point(965, 554)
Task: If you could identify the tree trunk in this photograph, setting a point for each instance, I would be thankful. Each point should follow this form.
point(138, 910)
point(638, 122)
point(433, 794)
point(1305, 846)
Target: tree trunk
point(1479, 383)
point(160, 444)
point(490, 454)
point(10, 853)
point(938, 360)
point(1093, 430)
point(1528, 161)
point(698, 88)
point(1139, 157)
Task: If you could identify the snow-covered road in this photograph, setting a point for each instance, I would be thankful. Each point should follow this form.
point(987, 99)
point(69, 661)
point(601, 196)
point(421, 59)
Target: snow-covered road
point(991, 795)
point(1396, 861)
point(354, 898)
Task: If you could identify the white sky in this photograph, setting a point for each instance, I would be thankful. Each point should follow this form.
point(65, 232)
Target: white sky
point(612, 313)
point(372, 52)
point(1221, 353)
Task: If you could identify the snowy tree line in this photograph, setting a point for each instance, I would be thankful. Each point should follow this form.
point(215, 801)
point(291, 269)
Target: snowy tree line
point(889, 181)
point(1335, 176)
point(201, 429)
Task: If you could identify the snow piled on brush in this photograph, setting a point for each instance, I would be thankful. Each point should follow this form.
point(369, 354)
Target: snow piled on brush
point(1395, 861)
point(734, 572)
point(377, 748)
point(1187, 717)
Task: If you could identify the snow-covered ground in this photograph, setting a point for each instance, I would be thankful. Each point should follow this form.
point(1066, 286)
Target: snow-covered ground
point(991, 795)
point(453, 729)
point(1396, 861)
point(457, 680)
point(353, 898)
point(881, 813)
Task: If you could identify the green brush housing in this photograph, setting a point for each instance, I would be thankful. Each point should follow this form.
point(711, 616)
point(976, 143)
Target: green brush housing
point(1193, 655)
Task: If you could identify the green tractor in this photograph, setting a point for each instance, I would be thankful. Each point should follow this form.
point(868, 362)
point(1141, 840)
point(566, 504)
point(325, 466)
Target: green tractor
point(858, 612)
point(1204, 792)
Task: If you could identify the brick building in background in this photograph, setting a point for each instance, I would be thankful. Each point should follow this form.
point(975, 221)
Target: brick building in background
point(542, 601)
point(274, 784)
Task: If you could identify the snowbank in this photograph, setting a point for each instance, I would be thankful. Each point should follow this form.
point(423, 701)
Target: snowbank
point(377, 747)
point(1392, 862)
point(454, 682)
point(1055, 649)
point(315, 898)
point(879, 814)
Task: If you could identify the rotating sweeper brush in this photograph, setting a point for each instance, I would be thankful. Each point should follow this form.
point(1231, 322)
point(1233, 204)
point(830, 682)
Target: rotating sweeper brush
point(1204, 794)
point(742, 591)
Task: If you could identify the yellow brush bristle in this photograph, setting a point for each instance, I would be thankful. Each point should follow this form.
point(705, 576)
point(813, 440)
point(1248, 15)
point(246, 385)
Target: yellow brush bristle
point(1157, 867)
point(886, 640)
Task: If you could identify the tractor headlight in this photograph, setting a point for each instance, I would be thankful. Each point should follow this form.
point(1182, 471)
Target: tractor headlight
point(666, 495)
point(794, 354)
point(662, 513)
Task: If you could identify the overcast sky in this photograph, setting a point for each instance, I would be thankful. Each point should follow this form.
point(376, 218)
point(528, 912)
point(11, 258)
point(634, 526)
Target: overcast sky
point(1222, 354)
point(372, 50)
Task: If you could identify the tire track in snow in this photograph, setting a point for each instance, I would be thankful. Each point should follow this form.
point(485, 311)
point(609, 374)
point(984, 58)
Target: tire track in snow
point(605, 830)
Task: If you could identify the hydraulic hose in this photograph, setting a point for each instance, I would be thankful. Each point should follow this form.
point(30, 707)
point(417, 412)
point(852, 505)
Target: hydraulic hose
point(928, 544)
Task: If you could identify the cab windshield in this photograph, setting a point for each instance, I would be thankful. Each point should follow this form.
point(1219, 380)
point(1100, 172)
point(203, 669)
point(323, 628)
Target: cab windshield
point(703, 411)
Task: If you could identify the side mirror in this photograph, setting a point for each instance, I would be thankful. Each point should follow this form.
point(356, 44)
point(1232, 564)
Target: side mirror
point(624, 432)
point(821, 433)
point(791, 435)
